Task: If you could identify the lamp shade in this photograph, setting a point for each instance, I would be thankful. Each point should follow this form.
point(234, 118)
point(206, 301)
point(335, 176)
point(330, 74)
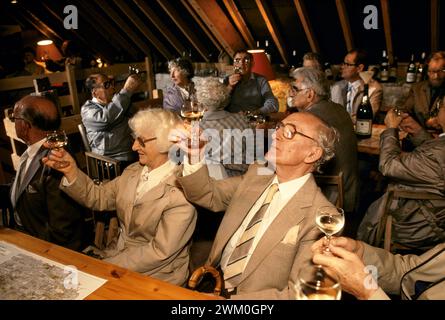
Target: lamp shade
point(261, 64)
point(47, 49)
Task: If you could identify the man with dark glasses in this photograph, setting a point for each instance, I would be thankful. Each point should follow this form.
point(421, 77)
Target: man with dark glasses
point(106, 115)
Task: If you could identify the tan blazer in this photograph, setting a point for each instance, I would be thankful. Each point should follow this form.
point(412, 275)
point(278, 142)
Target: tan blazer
point(419, 101)
point(284, 248)
point(155, 232)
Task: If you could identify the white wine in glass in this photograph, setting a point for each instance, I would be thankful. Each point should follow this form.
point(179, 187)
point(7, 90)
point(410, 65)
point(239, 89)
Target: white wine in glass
point(314, 283)
point(193, 111)
point(329, 220)
point(57, 140)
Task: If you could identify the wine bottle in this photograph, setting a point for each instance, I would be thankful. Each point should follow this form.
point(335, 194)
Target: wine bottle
point(384, 68)
point(364, 116)
point(294, 63)
point(411, 72)
point(421, 70)
point(267, 51)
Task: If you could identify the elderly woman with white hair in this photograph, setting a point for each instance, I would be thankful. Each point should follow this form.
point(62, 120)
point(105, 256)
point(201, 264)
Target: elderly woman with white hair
point(156, 221)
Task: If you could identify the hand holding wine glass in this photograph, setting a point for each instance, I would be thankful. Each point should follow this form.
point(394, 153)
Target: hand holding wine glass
point(330, 220)
point(57, 140)
point(58, 158)
point(314, 283)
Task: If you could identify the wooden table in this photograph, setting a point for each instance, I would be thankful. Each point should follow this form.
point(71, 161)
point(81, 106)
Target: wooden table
point(122, 284)
point(371, 145)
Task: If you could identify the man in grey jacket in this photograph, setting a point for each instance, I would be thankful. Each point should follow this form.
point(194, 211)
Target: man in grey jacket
point(413, 277)
point(417, 224)
point(106, 115)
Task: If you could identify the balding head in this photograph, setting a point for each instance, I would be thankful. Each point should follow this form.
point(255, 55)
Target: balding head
point(34, 117)
point(40, 112)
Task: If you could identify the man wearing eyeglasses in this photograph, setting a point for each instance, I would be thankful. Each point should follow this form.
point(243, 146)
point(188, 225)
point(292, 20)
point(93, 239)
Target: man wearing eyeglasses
point(106, 115)
point(349, 91)
point(310, 92)
point(249, 91)
point(423, 101)
point(260, 256)
point(41, 209)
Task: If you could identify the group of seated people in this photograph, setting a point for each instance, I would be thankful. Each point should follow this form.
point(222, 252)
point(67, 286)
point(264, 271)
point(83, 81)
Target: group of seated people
point(268, 232)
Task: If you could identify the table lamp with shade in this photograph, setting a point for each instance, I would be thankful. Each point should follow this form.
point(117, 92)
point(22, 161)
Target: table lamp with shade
point(262, 64)
point(46, 49)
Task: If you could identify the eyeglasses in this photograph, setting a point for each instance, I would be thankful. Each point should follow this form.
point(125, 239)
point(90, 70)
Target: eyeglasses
point(349, 64)
point(436, 71)
point(245, 60)
point(289, 131)
point(296, 89)
point(141, 141)
point(12, 118)
point(107, 84)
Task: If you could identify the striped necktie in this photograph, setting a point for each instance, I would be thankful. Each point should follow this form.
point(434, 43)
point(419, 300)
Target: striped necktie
point(349, 99)
point(238, 258)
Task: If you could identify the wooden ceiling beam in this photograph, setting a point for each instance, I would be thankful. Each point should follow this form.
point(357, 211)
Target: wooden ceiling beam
point(76, 34)
point(218, 23)
point(273, 28)
point(344, 21)
point(143, 29)
point(387, 28)
point(105, 28)
point(435, 25)
point(302, 14)
point(21, 16)
point(239, 22)
point(151, 15)
point(113, 15)
point(185, 29)
point(201, 24)
point(50, 33)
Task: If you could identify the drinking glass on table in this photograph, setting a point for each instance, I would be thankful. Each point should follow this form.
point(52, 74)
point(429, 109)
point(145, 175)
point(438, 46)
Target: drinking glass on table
point(330, 220)
point(57, 140)
point(314, 283)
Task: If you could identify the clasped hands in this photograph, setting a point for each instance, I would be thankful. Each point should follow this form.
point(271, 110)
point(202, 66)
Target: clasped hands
point(405, 122)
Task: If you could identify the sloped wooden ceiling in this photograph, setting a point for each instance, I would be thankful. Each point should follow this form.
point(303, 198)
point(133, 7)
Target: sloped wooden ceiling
point(129, 30)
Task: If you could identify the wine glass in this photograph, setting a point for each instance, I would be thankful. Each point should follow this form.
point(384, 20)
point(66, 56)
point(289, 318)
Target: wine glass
point(399, 110)
point(56, 140)
point(314, 283)
point(193, 111)
point(329, 220)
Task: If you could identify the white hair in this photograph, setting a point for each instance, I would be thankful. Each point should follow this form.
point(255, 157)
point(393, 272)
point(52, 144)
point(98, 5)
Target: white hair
point(158, 122)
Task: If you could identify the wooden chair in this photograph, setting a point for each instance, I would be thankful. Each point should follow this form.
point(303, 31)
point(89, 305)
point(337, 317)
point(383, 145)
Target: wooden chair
point(332, 187)
point(101, 169)
point(384, 230)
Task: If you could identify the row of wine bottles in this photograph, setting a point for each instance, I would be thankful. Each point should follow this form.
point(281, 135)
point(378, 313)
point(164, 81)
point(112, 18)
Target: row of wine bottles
point(415, 72)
